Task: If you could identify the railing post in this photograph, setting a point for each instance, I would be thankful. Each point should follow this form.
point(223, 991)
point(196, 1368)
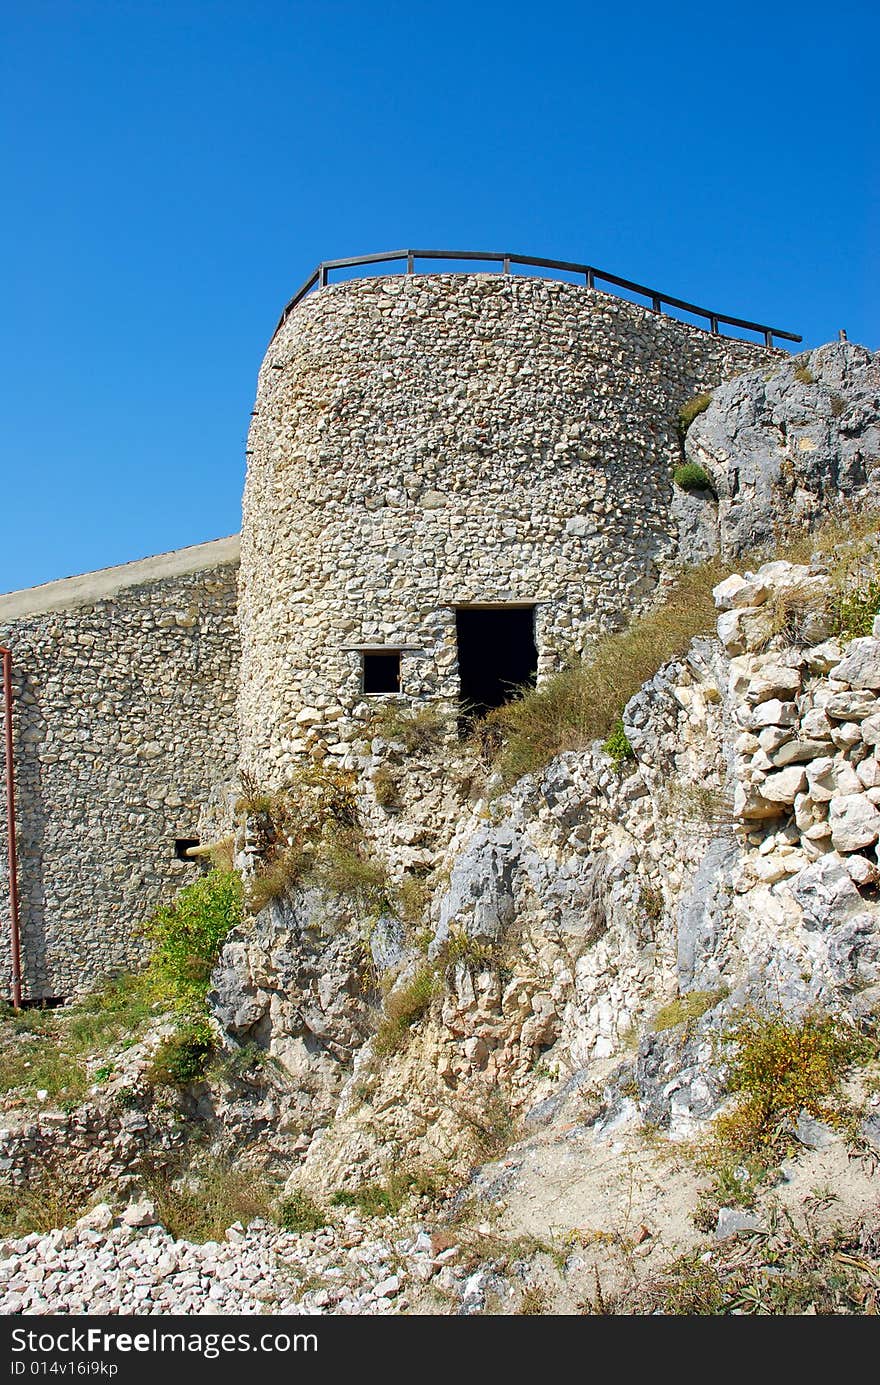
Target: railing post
point(645, 297)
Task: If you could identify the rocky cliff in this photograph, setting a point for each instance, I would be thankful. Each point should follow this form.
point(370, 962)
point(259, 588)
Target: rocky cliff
point(541, 1051)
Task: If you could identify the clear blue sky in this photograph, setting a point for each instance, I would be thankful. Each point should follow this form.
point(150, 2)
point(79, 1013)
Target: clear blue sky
point(173, 171)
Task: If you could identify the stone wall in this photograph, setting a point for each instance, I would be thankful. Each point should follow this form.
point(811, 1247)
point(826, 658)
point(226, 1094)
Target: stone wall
point(124, 686)
point(442, 440)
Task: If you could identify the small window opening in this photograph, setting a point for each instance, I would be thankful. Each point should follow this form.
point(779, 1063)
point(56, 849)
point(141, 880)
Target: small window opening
point(497, 655)
point(382, 672)
point(181, 848)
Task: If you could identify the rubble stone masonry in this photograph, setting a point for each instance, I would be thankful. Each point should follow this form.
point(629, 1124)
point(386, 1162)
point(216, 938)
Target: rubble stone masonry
point(124, 686)
point(437, 441)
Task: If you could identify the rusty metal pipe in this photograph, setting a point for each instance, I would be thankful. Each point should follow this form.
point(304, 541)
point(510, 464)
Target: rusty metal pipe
point(15, 938)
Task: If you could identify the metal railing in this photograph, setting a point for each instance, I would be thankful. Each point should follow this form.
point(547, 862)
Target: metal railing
point(658, 302)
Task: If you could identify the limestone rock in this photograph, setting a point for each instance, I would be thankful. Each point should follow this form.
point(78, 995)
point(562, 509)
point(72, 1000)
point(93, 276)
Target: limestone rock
point(141, 1213)
point(854, 821)
point(784, 786)
point(860, 666)
point(826, 893)
point(767, 441)
point(480, 896)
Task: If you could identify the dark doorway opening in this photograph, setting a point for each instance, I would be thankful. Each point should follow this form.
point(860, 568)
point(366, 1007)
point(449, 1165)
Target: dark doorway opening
point(496, 656)
point(382, 673)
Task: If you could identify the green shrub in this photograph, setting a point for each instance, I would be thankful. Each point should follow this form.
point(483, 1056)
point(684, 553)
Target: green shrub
point(690, 476)
point(189, 934)
point(617, 745)
point(388, 1198)
point(183, 1056)
point(689, 411)
point(298, 1212)
point(780, 1067)
point(372, 1200)
point(856, 607)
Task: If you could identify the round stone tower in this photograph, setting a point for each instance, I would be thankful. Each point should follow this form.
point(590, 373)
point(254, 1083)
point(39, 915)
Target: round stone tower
point(454, 481)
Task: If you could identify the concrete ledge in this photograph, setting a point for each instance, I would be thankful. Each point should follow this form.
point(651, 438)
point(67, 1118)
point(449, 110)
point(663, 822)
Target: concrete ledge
point(85, 590)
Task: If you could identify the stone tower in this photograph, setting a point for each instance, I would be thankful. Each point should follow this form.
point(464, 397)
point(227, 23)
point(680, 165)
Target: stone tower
point(454, 481)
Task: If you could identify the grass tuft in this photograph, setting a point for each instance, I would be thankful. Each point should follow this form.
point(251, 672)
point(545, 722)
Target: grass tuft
point(688, 1008)
point(299, 1212)
point(201, 1204)
point(49, 1050)
point(691, 410)
point(404, 1007)
point(690, 476)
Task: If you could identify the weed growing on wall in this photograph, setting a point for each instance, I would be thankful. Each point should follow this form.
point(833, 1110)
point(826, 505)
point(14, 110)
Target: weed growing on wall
point(691, 410)
point(419, 728)
point(297, 827)
point(690, 476)
point(188, 935)
point(617, 745)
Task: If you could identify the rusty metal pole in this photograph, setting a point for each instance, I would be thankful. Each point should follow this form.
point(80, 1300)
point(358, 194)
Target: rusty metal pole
point(6, 655)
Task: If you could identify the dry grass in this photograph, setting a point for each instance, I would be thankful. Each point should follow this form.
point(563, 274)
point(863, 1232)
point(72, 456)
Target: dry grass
point(404, 1007)
point(782, 1272)
point(43, 1205)
point(584, 701)
point(688, 1008)
point(201, 1204)
point(420, 728)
